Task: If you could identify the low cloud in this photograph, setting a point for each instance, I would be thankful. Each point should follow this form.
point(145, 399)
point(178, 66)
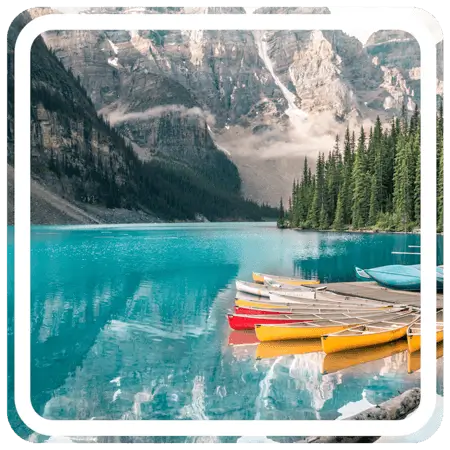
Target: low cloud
point(269, 161)
point(117, 115)
point(307, 138)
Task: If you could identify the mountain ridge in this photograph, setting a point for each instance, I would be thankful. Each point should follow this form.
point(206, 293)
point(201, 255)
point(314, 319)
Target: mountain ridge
point(84, 161)
point(253, 103)
point(267, 111)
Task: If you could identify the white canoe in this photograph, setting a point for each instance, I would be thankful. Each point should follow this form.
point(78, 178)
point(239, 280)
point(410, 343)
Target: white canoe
point(329, 298)
point(263, 290)
point(252, 288)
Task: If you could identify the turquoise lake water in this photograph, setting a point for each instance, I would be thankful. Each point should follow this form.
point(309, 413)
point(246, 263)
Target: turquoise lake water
point(129, 322)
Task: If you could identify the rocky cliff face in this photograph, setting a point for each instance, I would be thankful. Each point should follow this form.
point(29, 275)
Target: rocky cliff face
point(397, 54)
point(266, 98)
point(79, 158)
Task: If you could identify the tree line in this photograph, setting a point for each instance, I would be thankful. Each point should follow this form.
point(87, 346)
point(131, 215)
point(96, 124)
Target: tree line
point(368, 182)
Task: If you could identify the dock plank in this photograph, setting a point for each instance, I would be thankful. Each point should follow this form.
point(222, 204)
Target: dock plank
point(373, 291)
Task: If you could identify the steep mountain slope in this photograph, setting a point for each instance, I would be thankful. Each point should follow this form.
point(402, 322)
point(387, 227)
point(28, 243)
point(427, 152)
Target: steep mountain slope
point(83, 159)
point(269, 98)
point(398, 55)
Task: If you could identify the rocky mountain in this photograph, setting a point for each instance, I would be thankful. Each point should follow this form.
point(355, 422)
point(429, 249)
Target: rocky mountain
point(397, 53)
point(266, 99)
point(84, 169)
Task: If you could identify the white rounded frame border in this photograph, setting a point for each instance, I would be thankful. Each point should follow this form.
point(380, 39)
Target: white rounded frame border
point(406, 19)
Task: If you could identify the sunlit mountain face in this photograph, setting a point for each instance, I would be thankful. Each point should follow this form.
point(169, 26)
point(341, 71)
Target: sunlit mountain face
point(213, 118)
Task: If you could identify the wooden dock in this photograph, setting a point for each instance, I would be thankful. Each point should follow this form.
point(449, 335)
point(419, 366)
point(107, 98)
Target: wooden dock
point(372, 290)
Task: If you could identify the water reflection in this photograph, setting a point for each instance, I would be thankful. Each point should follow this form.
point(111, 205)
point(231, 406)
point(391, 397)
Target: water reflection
point(335, 254)
point(130, 324)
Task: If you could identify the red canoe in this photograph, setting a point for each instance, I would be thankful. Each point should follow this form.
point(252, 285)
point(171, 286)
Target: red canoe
point(243, 322)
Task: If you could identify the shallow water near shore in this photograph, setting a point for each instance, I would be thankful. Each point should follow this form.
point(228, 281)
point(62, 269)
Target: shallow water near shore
point(129, 322)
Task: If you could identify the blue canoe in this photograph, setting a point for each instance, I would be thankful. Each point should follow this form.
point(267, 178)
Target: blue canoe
point(402, 277)
point(406, 278)
point(440, 277)
point(362, 274)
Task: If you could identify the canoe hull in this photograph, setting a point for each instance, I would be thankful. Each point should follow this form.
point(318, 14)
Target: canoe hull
point(259, 278)
point(327, 299)
point(255, 312)
point(414, 341)
point(304, 309)
point(296, 294)
point(362, 274)
point(248, 322)
point(334, 344)
point(284, 306)
point(280, 333)
point(404, 278)
point(400, 277)
point(248, 288)
point(245, 303)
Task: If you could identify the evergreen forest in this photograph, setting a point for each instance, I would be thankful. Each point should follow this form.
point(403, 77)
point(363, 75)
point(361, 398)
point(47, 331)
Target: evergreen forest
point(370, 181)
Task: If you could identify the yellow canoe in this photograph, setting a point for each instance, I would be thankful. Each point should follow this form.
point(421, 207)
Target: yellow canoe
point(317, 328)
point(413, 334)
point(414, 358)
point(380, 331)
point(343, 360)
point(259, 278)
point(273, 349)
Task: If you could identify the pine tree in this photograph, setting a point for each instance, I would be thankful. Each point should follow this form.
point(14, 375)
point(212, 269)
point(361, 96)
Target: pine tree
point(373, 205)
point(318, 193)
point(347, 179)
point(404, 177)
point(370, 152)
point(304, 194)
point(361, 185)
point(331, 184)
point(417, 192)
point(415, 121)
point(339, 219)
point(390, 144)
point(324, 221)
point(289, 211)
point(440, 169)
point(404, 119)
point(353, 144)
point(378, 187)
point(314, 208)
point(281, 213)
point(293, 209)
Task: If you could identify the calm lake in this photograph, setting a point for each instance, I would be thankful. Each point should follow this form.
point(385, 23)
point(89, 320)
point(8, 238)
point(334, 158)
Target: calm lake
point(129, 322)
